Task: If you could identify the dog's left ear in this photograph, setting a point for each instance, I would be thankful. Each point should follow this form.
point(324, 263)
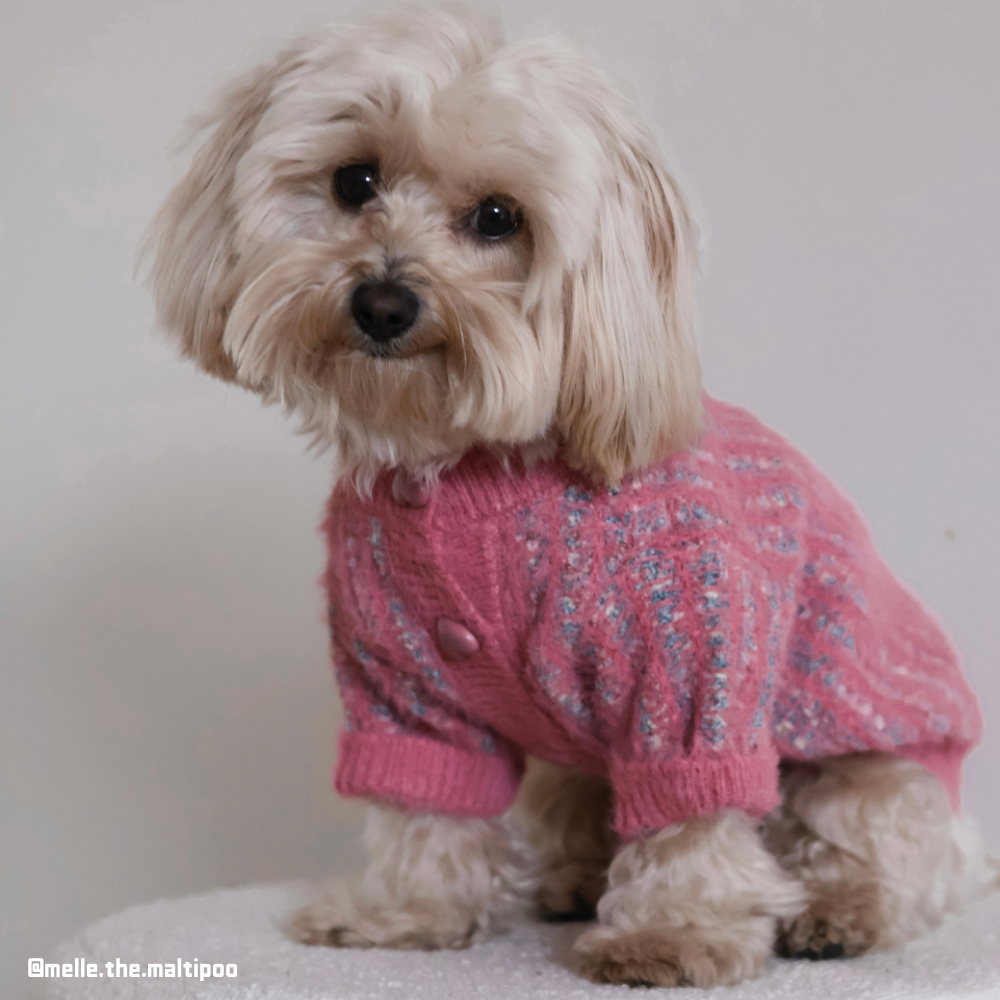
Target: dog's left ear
point(630, 392)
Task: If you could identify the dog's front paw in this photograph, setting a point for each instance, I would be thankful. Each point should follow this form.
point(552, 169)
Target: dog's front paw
point(342, 923)
point(670, 956)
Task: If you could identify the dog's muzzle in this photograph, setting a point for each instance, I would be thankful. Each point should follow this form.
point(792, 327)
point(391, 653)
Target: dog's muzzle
point(384, 310)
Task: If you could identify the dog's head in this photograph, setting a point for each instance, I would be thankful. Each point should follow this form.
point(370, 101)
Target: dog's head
point(421, 239)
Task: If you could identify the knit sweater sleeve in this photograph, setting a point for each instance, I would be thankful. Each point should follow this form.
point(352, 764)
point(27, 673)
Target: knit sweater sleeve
point(406, 738)
point(703, 657)
point(657, 643)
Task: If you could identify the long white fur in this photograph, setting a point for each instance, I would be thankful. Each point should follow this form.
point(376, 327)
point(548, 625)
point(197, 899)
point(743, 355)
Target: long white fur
point(577, 333)
point(433, 882)
point(693, 904)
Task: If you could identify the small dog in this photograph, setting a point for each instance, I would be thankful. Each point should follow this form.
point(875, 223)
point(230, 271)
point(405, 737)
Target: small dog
point(463, 264)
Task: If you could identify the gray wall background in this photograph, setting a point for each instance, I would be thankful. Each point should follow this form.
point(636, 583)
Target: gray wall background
point(167, 718)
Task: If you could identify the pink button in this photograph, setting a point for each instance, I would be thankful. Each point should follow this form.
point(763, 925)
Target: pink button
point(456, 641)
point(409, 492)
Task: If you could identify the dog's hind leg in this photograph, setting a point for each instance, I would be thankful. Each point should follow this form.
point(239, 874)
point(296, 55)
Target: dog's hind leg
point(875, 843)
point(567, 817)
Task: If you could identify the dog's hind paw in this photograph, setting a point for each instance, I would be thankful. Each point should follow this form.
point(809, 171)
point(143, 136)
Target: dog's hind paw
point(842, 926)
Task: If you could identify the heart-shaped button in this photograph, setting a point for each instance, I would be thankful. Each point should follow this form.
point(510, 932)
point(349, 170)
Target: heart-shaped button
point(455, 640)
point(409, 492)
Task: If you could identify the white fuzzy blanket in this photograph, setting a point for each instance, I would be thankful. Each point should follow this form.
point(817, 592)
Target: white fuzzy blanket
point(531, 962)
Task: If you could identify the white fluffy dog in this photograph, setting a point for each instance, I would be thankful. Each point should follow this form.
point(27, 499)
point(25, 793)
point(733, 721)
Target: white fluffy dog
point(425, 241)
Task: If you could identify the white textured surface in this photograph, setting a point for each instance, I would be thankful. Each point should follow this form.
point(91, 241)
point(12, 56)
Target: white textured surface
point(532, 962)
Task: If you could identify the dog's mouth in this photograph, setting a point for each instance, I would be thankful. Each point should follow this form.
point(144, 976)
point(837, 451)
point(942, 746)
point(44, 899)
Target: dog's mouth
point(402, 354)
point(414, 345)
point(383, 352)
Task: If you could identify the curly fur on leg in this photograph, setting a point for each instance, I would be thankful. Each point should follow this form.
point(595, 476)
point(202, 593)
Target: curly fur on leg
point(568, 823)
point(433, 882)
point(695, 904)
point(874, 841)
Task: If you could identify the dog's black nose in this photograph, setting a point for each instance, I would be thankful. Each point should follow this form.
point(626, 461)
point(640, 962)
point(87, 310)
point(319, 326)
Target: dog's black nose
point(384, 309)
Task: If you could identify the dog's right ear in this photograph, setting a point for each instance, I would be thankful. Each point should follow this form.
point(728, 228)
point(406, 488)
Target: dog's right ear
point(194, 265)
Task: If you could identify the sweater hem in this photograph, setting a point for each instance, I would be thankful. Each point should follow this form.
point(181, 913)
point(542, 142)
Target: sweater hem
point(418, 774)
point(650, 795)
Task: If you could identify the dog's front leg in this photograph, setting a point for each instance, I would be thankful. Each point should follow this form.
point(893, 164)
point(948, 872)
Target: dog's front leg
point(694, 904)
point(433, 882)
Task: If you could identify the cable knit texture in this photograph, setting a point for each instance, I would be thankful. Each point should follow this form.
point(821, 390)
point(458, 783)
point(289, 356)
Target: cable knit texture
point(681, 633)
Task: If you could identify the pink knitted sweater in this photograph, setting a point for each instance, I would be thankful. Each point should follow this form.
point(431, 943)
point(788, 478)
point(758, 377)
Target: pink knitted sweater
point(681, 634)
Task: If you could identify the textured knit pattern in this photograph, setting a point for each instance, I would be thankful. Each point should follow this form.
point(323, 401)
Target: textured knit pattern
point(680, 633)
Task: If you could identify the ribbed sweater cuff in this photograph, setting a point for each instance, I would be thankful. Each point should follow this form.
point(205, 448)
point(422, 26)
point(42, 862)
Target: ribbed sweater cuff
point(650, 795)
point(417, 773)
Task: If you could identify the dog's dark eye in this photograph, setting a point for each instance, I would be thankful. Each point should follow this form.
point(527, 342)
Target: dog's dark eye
point(355, 184)
point(494, 220)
